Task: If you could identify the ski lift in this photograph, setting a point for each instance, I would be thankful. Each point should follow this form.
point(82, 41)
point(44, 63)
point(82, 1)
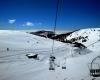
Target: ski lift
point(95, 72)
point(64, 64)
point(95, 68)
point(52, 62)
point(7, 49)
point(52, 57)
point(63, 67)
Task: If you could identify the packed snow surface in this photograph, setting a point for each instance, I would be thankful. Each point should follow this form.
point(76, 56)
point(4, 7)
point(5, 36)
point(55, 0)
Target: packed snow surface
point(14, 64)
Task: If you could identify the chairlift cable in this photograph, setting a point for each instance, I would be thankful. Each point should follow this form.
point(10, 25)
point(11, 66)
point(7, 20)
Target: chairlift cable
point(55, 23)
point(52, 57)
point(93, 43)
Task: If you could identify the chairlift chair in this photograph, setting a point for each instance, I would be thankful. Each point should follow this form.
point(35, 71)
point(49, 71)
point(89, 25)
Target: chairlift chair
point(52, 62)
point(64, 64)
point(63, 67)
point(95, 72)
point(7, 49)
point(51, 68)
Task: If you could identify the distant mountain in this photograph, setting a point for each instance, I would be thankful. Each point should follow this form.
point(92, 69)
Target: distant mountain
point(80, 38)
point(88, 37)
point(58, 37)
point(61, 37)
point(43, 33)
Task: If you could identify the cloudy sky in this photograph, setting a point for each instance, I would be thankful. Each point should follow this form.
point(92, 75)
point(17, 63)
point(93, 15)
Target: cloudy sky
point(40, 14)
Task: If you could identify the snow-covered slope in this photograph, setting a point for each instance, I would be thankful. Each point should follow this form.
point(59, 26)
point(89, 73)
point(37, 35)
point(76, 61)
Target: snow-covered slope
point(14, 65)
point(22, 40)
point(89, 37)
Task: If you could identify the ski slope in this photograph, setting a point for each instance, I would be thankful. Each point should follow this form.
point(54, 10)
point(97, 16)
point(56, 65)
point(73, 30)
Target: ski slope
point(90, 37)
point(14, 65)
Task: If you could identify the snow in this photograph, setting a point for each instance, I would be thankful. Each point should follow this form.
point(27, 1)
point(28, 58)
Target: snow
point(14, 65)
point(92, 35)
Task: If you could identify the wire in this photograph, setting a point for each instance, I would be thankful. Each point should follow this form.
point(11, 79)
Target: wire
point(56, 17)
point(55, 23)
point(93, 43)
